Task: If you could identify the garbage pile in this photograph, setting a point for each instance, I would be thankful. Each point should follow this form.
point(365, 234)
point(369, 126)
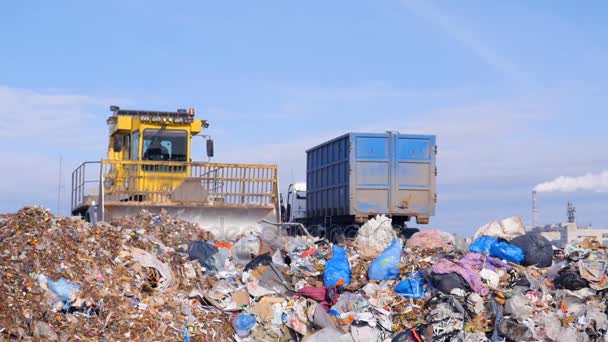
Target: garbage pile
point(151, 277)
point(131, 280)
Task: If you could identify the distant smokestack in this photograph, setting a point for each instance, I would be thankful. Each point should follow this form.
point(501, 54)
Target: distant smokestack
point(534, 210)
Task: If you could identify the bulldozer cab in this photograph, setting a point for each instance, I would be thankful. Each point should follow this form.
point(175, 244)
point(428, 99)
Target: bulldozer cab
point(149, 166)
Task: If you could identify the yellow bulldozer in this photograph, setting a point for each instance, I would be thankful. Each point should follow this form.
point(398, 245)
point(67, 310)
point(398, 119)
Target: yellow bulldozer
point(149, 166)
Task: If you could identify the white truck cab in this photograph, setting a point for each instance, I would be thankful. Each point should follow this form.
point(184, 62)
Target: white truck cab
point(296, 203)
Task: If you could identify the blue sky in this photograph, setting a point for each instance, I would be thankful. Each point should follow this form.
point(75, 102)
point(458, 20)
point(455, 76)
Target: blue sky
point(515, 91)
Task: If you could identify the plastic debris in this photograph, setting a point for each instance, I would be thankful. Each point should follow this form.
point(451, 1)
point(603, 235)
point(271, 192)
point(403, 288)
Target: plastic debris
point(375, 235)
point(119, 291)
point(412, 287)
point(570, 280)
point(337, 269)
point(504, 229)
point(475, 303)
point(483, 244)
point(148, 260)
point(44, 331)
point(497, 248)
point(243, 324)
point(515, 331)
point(151, 277)
point(594, 271)
point(208, 255)
point(245, 249)
point(448, 282)
point(518, 307)
point(325, 296)
point(262, 259)
point(538, 251)
point(386, 265)
point(491, 278)
point(65, 290)
point(430, 240)
point(506, 251)
point(469, 274)
point(328, 334)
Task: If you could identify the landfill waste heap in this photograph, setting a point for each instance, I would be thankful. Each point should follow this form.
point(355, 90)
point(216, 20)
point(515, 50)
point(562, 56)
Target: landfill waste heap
point(154, 278)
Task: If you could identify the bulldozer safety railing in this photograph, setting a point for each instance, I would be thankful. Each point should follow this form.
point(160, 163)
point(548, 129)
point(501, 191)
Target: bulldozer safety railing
point(174, 184)
point(85, 184)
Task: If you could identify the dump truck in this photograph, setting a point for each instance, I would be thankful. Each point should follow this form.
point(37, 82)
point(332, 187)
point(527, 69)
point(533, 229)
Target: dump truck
point(149, 165)
point(357, 176)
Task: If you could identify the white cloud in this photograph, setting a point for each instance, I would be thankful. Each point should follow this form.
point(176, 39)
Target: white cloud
point(36, 129)
point(28, 179)
point(51, 118)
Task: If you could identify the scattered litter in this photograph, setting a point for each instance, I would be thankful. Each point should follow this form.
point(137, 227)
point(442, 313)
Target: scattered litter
point(483, 244)
point(412, 287)
point(537, 249)
point(429, 240)
point(505, 229)
point(243, 324)
point(375, 235)
point(153, 278)
point(570, 280)
point(65, 290)
point(146, 259)
point(507, 251)
point(386, 265)
point(337, 269)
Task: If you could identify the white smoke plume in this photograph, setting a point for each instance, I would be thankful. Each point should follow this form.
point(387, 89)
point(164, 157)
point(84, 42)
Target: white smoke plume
point(590, 182)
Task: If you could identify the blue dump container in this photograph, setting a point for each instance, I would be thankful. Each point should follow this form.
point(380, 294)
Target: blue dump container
point(358, 175)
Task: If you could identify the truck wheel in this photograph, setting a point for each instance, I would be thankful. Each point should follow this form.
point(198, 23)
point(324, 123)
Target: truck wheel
point(351, 232)
point(408, 232)
point(335, 234)
point(317, 231)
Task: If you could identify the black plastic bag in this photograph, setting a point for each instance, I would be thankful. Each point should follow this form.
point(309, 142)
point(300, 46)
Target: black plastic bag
point(538, 251)
point(262, 259)
point(411, 335)
point(570, 280)
point(513, 331)
point(449, 281)
point(203, 252)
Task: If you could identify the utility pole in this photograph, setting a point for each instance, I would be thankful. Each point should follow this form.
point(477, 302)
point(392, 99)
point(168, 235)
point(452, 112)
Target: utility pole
point(59, 186)
point(534, 210)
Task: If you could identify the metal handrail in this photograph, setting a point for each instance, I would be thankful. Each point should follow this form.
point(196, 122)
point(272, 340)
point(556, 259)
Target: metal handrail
point(225, 184)
point(79, 183)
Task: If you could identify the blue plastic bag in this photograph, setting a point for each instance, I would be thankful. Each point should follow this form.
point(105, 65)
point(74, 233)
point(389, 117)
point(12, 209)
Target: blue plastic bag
point(243, 324)
point(507, 251)
point(483, 244)
point(337, 268)
point(412, 287)
point(63, 288)
point(385, 265)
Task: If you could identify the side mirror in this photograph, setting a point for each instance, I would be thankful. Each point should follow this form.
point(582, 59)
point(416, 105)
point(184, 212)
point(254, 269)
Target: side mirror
point(209, 148)
point(118, 143)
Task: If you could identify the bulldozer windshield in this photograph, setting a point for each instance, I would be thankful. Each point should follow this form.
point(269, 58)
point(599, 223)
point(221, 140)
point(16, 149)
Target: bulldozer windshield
point(165, 145)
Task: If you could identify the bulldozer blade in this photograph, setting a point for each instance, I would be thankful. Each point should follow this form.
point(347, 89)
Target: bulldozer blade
point(225, 223)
